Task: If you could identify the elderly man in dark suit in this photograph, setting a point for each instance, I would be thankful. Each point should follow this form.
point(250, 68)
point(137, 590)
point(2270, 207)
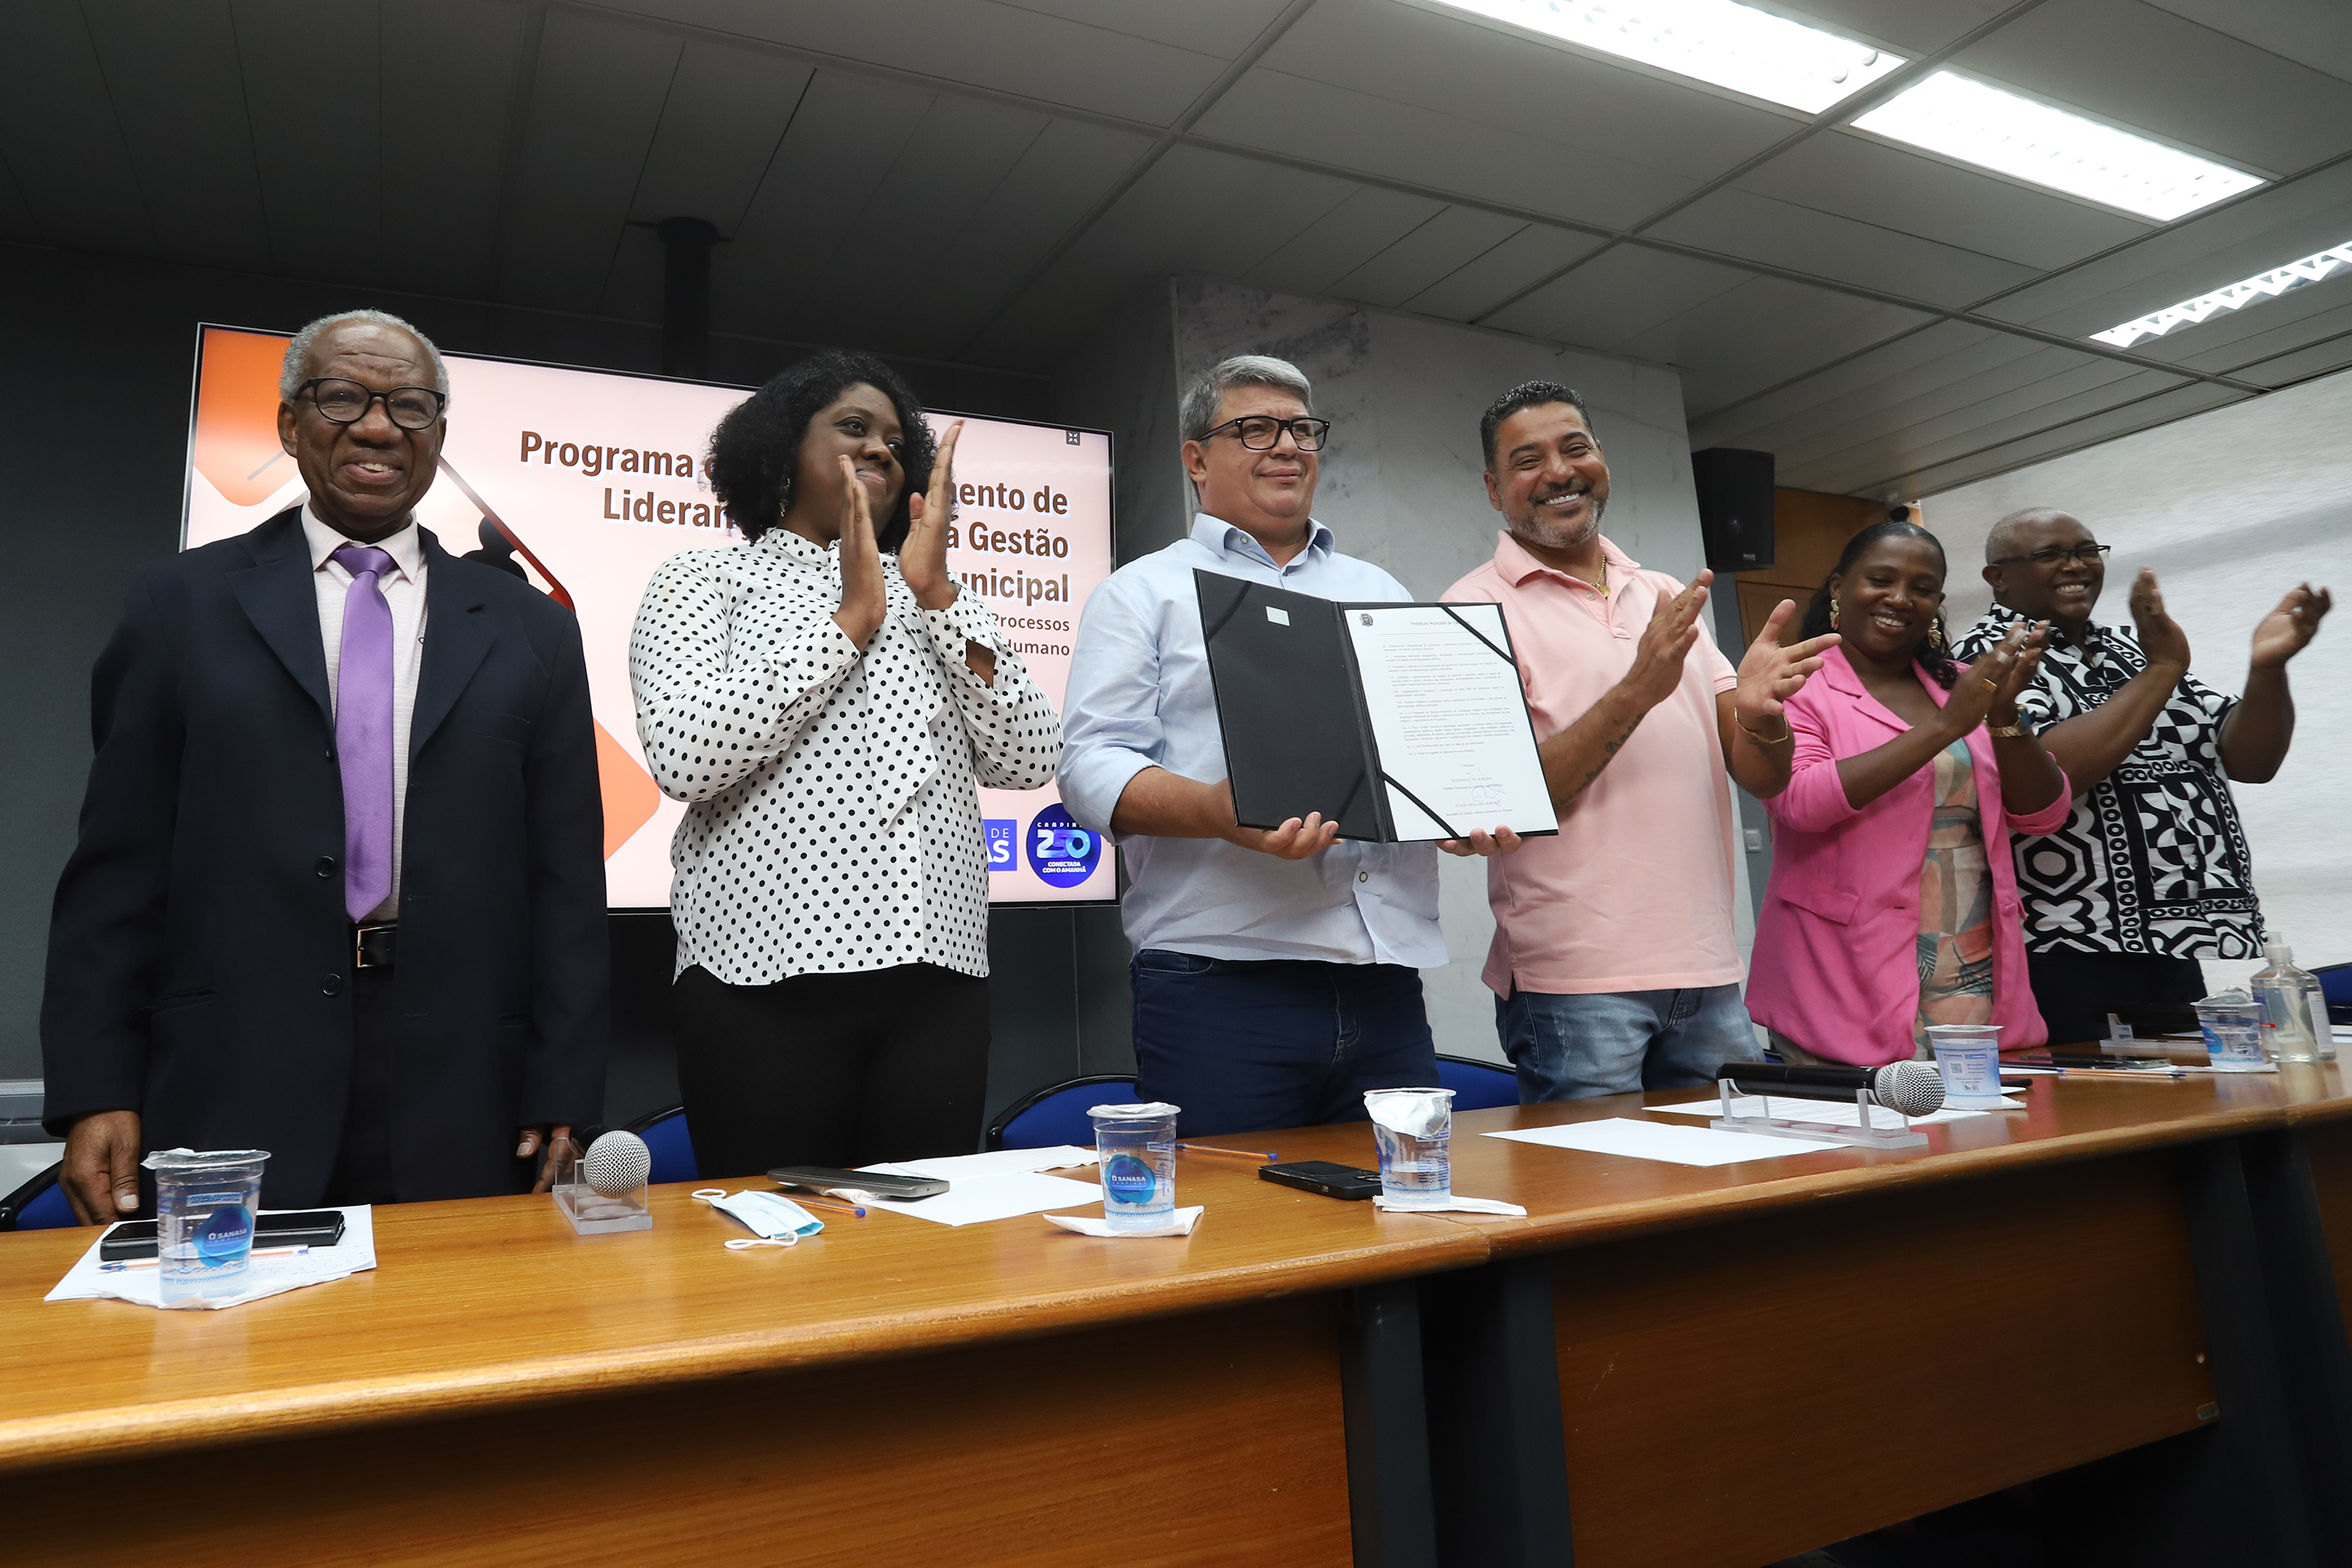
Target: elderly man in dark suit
point(340, 887)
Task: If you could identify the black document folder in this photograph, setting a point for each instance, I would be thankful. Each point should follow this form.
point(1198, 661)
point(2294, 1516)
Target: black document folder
point(1299, 734)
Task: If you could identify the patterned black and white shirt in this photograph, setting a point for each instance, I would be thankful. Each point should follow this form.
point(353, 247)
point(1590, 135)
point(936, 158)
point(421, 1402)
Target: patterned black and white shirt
point(2154, 859)
point(832, 824)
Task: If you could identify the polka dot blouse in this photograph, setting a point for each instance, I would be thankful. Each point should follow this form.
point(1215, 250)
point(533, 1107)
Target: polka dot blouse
point(830, 821)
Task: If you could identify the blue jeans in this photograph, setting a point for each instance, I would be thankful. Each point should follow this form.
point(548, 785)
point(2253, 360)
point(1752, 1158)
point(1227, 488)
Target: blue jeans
point(1248, 1046)
point(1615, 1042)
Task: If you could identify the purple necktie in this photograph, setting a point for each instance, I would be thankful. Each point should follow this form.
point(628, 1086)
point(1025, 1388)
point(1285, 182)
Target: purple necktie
point(363, 730)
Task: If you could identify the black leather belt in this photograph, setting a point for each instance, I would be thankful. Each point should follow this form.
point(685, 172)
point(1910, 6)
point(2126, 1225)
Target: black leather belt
point(372, 946)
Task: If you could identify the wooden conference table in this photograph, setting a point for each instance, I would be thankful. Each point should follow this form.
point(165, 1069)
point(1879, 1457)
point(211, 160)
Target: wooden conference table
point(1664, 1364)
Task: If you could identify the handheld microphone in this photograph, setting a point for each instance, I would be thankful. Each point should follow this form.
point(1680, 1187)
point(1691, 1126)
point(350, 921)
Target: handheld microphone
point(1912, 1087)
point(617, 1164)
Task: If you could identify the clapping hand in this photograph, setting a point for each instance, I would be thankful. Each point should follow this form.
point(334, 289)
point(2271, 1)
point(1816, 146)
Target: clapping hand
point(1769, 675)
point(2288, 630)
point(1991, 685)
point(2161, 637)
point(923, 558)
point(864, 595)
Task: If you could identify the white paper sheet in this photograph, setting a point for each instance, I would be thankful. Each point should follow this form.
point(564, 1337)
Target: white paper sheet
point(1015, 1192)
point(1666, 1140)
point(1456, 1204)
point(999, 1163)
point(1450, 719)
point(1836, 1113)
point(89, 1281)
point(1180, 1222)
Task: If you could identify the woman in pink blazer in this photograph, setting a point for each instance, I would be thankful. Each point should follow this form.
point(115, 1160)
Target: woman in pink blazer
point(1892, 901)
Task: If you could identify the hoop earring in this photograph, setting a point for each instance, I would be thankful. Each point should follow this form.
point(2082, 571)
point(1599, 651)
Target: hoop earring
point(1833, 612)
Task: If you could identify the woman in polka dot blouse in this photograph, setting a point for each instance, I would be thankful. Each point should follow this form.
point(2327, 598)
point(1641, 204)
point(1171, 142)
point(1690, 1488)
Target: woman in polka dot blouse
point(825, 699)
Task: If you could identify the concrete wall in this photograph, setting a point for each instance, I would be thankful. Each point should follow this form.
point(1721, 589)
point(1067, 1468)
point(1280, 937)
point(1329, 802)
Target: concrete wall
point(2231, 509)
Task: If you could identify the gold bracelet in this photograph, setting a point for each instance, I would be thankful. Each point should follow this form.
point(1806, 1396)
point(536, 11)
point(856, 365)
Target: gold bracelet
point(2013, 730)
point(1786, 734)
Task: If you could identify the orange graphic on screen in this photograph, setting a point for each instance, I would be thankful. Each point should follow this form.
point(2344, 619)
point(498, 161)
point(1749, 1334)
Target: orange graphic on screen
point(236, 443)
point(630, 795)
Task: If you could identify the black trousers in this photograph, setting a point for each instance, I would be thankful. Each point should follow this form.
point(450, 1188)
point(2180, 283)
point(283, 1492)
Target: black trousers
point(362, 1173)
point(2076, 991)
point(831, 1070)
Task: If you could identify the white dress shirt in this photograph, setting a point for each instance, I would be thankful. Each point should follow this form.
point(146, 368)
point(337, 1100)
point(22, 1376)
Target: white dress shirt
point(1140, 697)
point(403, 591)
point(832, 826)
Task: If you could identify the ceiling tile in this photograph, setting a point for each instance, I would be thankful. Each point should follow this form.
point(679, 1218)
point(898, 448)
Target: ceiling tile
point(456, 64)
point(63, 142)
point(1743, 223)
point(721, 124)
point(2023, 412)
point(1811, 398)
point(1458, 66)
point(1485, 281)
point(323, 223)
point(2153, 71)
point(2262, 332)
point(172, 74)
point(2300, 364)
point(1219, 27)
point(1619, 294)
point(1270, 206)
point(1183, 191)
point(1875, 183)
point(844, 141)
point(1360, 227)
point(1913, 28)
point(595, 104)
point(2267, 229)
point(1006, 48)
point(1755, 335)
point(2071, 435)
point(2315, 33)
point(1354, 132)
point(1448, 241)
point(1956, 416)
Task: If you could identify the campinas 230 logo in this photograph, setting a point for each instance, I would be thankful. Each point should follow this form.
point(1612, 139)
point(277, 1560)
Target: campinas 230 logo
point(1062, 853)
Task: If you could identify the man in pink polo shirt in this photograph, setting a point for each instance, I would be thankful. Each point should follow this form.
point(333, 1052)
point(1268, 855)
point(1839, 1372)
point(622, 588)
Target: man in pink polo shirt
point(1615, 966)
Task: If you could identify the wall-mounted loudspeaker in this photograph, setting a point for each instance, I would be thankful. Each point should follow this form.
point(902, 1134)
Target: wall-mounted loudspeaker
point(1735, 507)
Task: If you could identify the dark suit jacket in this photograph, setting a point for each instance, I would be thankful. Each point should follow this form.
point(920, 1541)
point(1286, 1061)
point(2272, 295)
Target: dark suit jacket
point(200, 961)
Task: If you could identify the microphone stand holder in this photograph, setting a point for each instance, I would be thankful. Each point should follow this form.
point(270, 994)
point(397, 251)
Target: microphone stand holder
point(593, 1212)
point(1863, 1134)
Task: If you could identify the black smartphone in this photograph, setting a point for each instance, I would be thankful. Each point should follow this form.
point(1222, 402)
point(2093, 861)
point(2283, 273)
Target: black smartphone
point(825, 1179)
point(302, 1228)
point(1323, 1176)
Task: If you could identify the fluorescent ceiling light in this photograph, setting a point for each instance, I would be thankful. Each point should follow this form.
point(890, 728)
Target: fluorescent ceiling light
point(2016, 136)
point(2261, 286)
point(1717, 41)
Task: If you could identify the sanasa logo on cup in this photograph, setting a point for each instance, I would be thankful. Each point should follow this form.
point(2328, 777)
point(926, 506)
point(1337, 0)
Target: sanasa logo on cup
point(224, 1236)
point(1128, 1180)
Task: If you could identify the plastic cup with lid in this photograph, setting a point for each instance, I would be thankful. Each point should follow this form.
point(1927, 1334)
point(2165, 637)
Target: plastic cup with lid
point(1969, 1057)
point(1414, 1131)
point(1137, 1147)
point(204, 1208)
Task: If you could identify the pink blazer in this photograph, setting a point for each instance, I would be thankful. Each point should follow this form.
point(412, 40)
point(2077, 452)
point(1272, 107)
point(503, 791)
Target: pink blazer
point(1836, 964)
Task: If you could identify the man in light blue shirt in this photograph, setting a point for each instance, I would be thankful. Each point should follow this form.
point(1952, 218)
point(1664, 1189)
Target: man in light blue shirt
point(1275, 971)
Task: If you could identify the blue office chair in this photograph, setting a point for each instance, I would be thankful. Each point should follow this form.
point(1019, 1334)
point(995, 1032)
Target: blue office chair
point(39, 1205)
point(667, 1140)
point(1056, 1114)
point(1476, 1085)
point(2335, 984)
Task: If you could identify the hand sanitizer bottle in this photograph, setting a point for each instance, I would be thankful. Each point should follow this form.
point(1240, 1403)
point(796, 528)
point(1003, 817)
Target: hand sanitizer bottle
point(2294, 1013)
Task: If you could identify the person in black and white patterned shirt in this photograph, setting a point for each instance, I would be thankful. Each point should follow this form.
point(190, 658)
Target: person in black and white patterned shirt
point(825, 699)
point(2151, 873)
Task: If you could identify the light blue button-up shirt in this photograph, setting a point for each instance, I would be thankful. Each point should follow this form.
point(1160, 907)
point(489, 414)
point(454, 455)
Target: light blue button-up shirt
point(1140, 697)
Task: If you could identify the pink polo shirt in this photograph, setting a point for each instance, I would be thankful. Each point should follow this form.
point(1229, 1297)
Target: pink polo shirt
point(1635, 893)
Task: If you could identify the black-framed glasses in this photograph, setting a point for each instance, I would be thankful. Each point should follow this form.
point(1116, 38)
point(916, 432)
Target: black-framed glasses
point(2081, 554)
point(1259, 432)
point(347, 402)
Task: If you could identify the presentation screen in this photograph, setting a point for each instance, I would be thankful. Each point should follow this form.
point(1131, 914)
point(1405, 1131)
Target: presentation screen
point(586, 480)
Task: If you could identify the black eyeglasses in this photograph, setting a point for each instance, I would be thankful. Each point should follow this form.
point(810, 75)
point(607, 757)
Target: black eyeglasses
point(347, 402)
point(2082, 555)
point(1259, 432)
